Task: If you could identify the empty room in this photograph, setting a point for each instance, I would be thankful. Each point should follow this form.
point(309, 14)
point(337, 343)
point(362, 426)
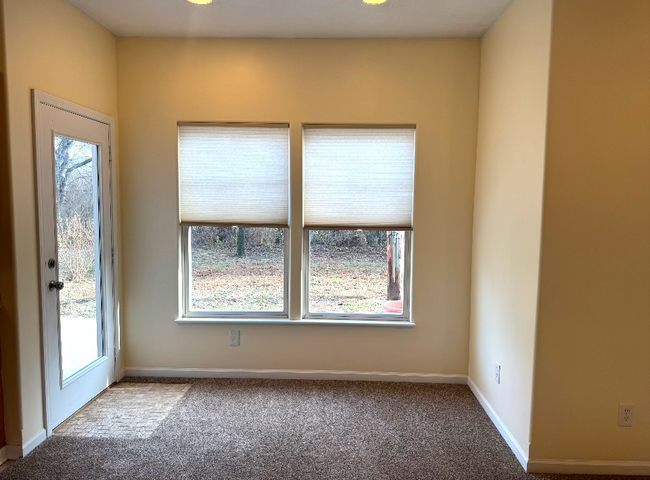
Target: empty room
point(338, 240)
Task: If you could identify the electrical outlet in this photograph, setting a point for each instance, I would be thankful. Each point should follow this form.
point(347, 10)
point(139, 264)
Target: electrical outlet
point(625, 415)
point(234, 338)
point(497, 373)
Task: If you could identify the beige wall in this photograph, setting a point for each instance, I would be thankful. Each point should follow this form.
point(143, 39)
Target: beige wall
point(508, 209)
point(52, 47)
point(593, 334)
point(433, 83)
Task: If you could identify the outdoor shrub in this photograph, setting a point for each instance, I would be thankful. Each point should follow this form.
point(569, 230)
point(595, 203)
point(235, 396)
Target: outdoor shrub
point(347, 238)
point(211, 238)
point(358, 239)
point(208, 237)
point(76, 243)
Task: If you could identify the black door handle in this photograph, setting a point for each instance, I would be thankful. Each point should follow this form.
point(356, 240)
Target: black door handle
point(54, 285)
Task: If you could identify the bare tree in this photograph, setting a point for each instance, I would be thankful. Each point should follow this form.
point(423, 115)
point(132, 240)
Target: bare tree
point(67, 160)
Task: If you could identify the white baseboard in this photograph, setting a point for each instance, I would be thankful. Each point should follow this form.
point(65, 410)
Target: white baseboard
point(296, 375)
point(14, 452)
point(589, 467)
point(519, 452)
point(579, 467)
point(10, 452)
point(34, 442)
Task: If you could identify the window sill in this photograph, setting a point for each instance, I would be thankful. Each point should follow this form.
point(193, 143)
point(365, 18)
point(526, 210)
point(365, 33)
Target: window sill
point(277, 321)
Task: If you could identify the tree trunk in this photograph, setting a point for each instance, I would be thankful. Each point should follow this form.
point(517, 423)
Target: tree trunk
point(241, 242)
point(394, 291)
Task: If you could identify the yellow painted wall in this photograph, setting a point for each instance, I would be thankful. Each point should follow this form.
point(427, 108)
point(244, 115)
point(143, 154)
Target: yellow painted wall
point(53, 47)
point(433, 83)
point(508, 209)
point(593, 334)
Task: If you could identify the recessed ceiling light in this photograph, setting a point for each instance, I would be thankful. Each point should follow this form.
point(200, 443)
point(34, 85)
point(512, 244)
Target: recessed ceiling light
point(200, 2)
point(374, 2)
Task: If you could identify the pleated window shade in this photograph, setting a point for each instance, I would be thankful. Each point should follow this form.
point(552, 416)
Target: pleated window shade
point(359, 178)
point(234, 175)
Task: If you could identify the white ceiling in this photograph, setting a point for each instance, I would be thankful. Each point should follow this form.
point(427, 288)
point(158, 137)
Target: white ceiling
point(295, 18)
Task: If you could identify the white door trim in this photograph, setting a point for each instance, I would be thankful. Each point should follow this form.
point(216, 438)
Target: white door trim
point(41, 98)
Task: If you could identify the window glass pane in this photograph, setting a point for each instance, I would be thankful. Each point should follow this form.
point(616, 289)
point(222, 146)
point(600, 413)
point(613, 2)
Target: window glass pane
point(237, 269)
point(355, 271)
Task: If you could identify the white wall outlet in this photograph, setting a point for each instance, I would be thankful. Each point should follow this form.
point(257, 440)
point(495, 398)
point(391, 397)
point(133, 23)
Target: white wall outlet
point(625, 415)
point(234, 338)
point(497, 373)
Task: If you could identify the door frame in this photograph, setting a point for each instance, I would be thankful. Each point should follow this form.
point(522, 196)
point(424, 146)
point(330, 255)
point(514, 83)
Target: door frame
point(112, 308)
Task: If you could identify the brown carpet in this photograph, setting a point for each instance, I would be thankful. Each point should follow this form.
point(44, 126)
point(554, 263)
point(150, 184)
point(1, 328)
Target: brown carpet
point(284, 430)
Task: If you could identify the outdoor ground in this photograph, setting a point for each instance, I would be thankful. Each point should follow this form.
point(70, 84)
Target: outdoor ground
point(78, 321)
point(78, 298)
point(342, 279)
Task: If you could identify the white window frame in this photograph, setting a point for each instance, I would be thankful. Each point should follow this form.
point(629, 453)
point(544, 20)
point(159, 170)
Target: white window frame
point(405, 316)
point(306, 317)
point(186, 261)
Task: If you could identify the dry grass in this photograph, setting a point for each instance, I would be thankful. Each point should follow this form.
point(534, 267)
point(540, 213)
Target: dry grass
point(78, 299)
point(348, 279)
point(223, 281)
point(343, 280)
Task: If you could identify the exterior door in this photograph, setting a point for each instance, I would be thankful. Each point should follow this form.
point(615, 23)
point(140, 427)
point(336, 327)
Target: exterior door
point(76, 245)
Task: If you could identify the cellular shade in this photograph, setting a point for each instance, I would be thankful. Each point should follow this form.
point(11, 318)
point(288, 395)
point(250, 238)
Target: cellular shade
point(359, 177)
point(234, 175)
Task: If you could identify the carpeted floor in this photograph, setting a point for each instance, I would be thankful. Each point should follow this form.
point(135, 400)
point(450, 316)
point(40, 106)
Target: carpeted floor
point(276, 429)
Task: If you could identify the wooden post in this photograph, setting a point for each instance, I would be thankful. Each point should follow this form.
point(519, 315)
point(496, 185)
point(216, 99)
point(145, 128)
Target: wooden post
point(394, 291)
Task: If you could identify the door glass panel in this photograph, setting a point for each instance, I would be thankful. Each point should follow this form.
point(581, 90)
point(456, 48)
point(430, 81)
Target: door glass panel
point(78, 251)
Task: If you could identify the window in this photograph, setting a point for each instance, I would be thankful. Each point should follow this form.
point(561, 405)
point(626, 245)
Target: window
point(357, 272)
point(358, 210)
point(234, 214)
point(358, 186)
